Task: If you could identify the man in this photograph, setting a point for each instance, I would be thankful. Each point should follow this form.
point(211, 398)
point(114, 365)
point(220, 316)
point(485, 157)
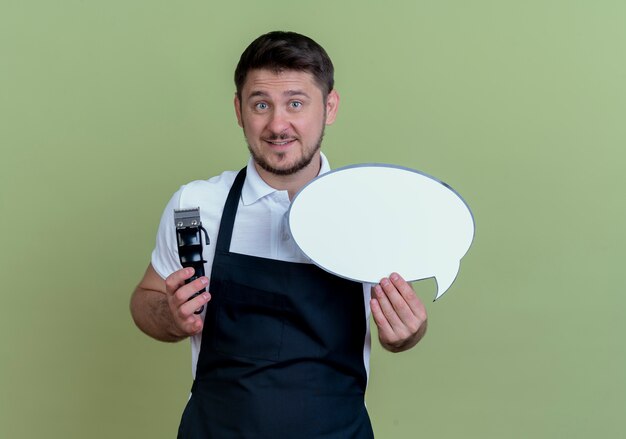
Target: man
point(282, 348)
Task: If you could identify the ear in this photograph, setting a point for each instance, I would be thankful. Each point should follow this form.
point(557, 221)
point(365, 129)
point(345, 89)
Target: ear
point(237, 103)
point(332, 104)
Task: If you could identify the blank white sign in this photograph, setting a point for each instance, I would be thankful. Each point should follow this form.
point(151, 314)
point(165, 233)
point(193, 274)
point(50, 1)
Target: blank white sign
point(364, 222)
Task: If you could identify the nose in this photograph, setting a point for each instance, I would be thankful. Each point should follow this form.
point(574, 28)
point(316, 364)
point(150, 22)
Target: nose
point(278, 122)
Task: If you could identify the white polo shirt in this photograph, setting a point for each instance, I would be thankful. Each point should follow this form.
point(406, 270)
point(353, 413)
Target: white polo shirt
point(260, 230)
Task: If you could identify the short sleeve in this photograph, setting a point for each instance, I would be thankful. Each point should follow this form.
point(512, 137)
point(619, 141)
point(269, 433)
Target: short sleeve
point(165, 259)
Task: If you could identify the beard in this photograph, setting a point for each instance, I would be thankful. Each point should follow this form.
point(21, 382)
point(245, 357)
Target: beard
point(301, 163)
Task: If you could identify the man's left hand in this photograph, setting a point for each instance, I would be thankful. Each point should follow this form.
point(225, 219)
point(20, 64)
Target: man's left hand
point(399, 314)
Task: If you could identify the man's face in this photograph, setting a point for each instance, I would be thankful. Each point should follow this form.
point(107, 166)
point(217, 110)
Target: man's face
point(283, 117)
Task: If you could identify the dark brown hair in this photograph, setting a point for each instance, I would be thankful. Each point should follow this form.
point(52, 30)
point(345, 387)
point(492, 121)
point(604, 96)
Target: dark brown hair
point(280, 51)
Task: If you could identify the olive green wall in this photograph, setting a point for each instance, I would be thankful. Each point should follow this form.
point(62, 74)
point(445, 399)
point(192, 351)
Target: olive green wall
point(106, 108)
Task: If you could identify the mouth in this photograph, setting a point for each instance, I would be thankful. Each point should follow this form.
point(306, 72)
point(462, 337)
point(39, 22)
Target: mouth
point(280, 143)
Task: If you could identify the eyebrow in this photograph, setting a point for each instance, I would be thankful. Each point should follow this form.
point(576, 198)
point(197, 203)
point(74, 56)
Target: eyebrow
point(288, 93)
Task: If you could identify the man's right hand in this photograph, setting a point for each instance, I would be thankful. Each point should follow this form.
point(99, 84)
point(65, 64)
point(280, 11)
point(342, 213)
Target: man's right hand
point(181, 308)
point(161, 309)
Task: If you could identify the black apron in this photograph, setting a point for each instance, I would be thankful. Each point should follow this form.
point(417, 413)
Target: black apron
point(282, 350)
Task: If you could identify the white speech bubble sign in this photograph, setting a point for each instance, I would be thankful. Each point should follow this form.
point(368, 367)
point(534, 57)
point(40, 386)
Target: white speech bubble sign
point(363, 222)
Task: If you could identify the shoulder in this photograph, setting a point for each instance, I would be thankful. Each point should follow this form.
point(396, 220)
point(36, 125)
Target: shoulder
point(198, 192)
point(209, 195)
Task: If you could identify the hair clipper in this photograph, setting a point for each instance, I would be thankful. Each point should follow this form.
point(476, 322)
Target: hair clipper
point(189, 236)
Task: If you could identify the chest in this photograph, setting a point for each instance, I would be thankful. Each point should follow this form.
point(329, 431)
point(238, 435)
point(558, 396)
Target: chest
point(262, 229)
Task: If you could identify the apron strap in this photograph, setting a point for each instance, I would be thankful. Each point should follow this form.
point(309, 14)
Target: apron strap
point(230, 211)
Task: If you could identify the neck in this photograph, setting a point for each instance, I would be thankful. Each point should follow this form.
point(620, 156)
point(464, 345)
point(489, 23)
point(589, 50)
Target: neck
point(294, 182)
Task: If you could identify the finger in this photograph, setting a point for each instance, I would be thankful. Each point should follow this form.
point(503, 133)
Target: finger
point(177, 279)
point(189, 307)
point(384, 328)
point(408, 293)
point(387, 308)
point(192, 325)
point(183, 294)
point(397, 301)
point(189, 322)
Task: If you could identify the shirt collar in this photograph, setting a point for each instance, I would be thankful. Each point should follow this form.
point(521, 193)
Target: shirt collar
point(255, 188)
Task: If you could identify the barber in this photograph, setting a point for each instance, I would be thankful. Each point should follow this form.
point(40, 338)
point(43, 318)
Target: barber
point(281, 349)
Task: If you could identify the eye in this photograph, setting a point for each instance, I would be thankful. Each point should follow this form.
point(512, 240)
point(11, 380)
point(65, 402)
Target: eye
point(261, 106)
point(295, 104)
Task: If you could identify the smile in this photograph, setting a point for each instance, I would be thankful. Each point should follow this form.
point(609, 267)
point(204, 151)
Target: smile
point(281, 143)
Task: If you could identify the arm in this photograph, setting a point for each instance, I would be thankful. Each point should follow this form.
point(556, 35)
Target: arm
point(398, 313)
point(159, 306)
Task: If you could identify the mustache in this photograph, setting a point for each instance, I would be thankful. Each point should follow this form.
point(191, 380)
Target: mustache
point(280, 136)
